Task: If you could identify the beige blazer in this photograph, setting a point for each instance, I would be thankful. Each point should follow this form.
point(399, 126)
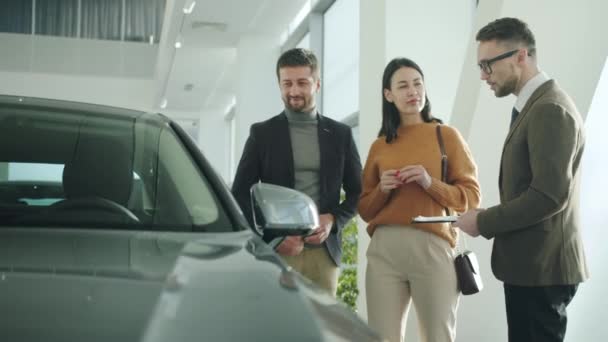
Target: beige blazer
point(536, 227)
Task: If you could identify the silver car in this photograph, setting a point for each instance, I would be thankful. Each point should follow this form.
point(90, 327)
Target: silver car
point(113, 227)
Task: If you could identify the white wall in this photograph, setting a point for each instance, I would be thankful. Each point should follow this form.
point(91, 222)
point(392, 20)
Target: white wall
point(102, 72)
point(48, 54)
point(586, 320)
point(258, 97)
point(128, 93)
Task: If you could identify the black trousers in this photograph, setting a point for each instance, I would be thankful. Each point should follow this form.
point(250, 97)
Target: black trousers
point(537, 314)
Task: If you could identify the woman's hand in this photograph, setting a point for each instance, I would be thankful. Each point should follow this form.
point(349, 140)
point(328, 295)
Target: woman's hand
point(389, 180)
point(415, 173)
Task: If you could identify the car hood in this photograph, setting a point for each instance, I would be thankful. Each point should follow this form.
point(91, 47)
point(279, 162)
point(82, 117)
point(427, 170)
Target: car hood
point(237, 289)
point(128, 286)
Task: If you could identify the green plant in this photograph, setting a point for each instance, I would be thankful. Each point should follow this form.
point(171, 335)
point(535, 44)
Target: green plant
point(347, 283)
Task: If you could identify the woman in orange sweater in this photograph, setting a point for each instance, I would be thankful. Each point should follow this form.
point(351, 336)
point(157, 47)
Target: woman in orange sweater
point(402, 179)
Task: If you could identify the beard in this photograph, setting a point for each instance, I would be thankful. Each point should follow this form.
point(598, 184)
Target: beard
point(301, 105)
point(507, 88)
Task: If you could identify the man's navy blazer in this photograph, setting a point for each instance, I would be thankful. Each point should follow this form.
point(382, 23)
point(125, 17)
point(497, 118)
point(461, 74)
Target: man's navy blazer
point(268, 157)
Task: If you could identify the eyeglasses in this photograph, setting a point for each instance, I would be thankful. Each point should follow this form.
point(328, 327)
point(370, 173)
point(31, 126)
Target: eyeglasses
point(486, 65)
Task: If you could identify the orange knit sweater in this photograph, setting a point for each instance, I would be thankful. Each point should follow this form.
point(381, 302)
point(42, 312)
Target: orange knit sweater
point(417, 145)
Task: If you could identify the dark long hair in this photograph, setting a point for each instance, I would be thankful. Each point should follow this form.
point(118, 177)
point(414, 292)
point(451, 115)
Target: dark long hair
point(391, 120)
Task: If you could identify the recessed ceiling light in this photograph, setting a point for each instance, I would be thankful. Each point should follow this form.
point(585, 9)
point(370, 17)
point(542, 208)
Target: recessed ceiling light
point(212, 25)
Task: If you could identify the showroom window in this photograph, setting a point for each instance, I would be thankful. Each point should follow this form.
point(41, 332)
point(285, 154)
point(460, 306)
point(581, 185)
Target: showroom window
point(341, 59)
point(16, 16)
point(124, 20)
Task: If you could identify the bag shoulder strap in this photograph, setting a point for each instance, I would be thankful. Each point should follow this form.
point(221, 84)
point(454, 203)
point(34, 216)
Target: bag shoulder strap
point(444, 156)
point(444, 160)
point(444, 176)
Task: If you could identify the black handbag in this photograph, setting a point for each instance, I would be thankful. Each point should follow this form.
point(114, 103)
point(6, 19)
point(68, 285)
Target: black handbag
point(467, 267)
point(467, 273)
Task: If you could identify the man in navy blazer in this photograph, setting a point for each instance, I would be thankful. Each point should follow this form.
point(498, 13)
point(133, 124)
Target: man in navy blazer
point(303, 150)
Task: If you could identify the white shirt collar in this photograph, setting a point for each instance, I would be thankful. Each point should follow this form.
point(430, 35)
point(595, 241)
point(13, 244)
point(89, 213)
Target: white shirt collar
point(529, 88)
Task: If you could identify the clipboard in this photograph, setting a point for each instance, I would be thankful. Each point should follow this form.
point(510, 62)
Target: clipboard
point(434, 219)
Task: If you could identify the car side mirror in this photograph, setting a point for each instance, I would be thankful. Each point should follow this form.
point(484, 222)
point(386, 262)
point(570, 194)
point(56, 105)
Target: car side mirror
point(279, 211)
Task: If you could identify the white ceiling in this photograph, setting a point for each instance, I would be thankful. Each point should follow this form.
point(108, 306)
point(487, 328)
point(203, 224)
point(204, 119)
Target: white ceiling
point(197, 79)
point(205, 63)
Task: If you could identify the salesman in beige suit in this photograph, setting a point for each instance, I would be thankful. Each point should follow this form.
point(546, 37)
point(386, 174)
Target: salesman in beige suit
point(538, 252)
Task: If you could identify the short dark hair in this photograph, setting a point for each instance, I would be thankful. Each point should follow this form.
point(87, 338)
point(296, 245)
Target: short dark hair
point(391, 120)
point(298, 57)
point(510, 30)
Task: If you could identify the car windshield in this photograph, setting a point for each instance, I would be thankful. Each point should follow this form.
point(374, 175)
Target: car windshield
point(78, 167)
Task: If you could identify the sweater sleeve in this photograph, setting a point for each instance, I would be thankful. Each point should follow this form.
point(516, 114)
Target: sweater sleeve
point(462, 191)
point(372, 198)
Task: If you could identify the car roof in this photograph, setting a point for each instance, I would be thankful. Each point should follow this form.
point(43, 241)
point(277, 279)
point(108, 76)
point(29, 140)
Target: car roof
point(82, 107)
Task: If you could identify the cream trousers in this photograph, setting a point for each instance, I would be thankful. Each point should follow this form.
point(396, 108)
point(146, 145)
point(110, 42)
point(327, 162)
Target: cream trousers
point(407, 265)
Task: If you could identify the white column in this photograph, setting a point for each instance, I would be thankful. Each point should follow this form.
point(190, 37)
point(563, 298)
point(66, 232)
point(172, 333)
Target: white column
point(434, 34)
point(257, 97)
point(372, 59)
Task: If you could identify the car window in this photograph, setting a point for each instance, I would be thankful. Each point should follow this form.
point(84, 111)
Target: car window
point(33, 184)
point(98, 170)
point(182, 175)
point(34, 171)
